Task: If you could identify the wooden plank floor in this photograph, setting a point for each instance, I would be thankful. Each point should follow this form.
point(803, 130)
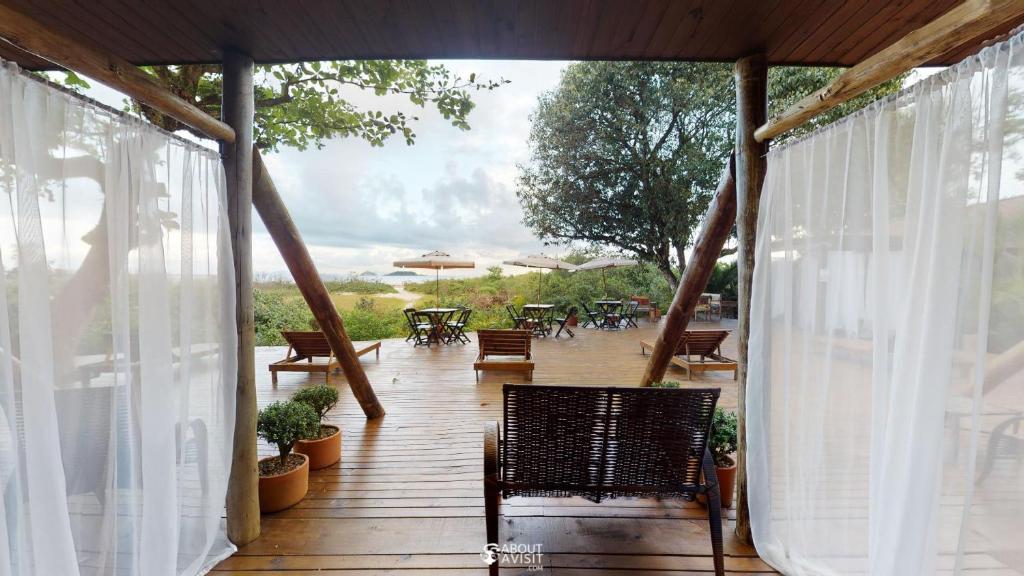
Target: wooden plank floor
point(407, 497)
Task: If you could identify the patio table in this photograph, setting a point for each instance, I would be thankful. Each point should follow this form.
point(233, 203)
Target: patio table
point(611, 312)
point(439, 318)
point(539, 318)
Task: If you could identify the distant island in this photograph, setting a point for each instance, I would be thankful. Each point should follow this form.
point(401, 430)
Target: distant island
point(402, 273)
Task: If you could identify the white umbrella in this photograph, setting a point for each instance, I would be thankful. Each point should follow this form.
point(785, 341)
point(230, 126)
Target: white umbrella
point(435, 261)
point(603, 264)
point(543, 262)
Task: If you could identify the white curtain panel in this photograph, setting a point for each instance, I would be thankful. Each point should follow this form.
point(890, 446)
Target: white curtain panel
point(886, 381)
point(117, 346)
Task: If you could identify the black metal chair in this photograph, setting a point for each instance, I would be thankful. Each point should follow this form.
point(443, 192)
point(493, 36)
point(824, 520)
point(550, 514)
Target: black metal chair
point(457, 326)
point(518, 320)
point(602, 443)
point(563, 322)
point(629, 313)
point(418, 330)
point(595, 318)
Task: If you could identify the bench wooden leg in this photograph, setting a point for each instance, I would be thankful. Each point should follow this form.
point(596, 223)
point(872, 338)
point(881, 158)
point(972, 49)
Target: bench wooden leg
point(492, 496)
point(714, 512)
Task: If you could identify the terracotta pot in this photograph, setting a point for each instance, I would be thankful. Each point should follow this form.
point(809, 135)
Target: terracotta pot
point(322, 452)
point(284, 490)
point(572, 321)
point(726, 484)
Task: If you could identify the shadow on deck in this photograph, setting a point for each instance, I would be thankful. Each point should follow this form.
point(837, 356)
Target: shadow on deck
point(407, 497)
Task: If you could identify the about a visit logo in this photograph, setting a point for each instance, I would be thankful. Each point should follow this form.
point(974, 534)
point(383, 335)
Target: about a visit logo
point(489, 554)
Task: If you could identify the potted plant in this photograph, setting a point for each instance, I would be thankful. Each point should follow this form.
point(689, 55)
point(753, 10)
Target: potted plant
point(284, 479)
point(722, 444)
point(323, 447)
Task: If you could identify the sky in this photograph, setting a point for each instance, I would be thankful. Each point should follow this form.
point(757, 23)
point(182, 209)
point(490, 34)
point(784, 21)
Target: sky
point(360, 208)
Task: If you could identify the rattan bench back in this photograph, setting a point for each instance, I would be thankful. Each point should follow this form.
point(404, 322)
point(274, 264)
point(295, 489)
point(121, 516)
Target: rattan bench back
point(604, 442)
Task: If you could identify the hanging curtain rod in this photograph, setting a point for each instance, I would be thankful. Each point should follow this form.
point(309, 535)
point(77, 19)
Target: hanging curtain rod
point(110, 110)
point(82, 56)
point(963, 23)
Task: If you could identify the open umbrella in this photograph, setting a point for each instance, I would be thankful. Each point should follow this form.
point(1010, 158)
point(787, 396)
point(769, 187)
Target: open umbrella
point(540, 261)
point(435, 261)
point(603, 264)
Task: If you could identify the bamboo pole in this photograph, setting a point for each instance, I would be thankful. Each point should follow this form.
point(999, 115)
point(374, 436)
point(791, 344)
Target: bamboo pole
point(716, 229)
point(85, 57)
point(751, 111)
point(964, 23)
point(238, 106)
point(286, 236)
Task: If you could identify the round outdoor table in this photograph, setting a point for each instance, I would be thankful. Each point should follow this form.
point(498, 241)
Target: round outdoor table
point(539, 318)
point(610, 309)
point(439, 318)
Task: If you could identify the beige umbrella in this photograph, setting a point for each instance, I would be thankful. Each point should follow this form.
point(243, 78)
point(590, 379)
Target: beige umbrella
point(435, 261)
point(543, 262)
point(603, 264)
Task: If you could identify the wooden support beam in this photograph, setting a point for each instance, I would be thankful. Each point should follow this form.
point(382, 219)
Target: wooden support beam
point(964, 23)
point(81, 55)
point(751, 110)
point(286, 235)
point(238, 107)
point(716, 229)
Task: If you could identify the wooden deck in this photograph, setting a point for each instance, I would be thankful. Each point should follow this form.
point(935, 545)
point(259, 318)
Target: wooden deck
point(407, 496)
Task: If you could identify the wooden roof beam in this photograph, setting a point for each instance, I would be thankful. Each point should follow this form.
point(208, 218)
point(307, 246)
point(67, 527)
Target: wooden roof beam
point(968, 21)
point(82, 56)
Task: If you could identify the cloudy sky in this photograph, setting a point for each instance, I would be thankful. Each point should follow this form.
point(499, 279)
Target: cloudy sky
point(360, 208)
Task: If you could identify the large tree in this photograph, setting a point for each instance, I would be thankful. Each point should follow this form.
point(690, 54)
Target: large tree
point(307, 103)
point(627, 154)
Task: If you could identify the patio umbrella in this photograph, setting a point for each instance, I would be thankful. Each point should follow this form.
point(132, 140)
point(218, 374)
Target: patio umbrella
point(603, 264)
point(435, 261)
point(543, 262)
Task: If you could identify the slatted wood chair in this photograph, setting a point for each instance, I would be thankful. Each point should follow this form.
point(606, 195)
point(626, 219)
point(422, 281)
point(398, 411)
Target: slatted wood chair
point(602, 443)
point(504, 350)
point(699, 351)
point(307, 346)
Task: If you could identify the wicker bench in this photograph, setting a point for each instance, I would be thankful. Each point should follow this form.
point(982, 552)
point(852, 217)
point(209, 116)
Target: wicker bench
point(504, 350)
point(307, 346)
point(699, 351)
point(602, 443)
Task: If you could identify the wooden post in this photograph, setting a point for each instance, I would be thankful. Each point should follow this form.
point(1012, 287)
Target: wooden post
point(237, 108)
point(288, 240)
point(965, 22)
point(713, 235)
point(751, 111)
point(82, 55)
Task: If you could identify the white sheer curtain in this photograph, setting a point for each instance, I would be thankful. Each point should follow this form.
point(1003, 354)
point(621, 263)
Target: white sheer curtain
point(887, 340)
point(117, 347)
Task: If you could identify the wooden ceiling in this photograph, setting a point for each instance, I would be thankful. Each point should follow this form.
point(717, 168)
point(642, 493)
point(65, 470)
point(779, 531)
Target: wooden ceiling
point(812, 32)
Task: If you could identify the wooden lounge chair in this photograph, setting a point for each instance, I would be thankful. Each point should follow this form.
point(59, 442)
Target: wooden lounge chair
point(602, 443)
point(699, 351)
point(307, 346)
point(504, 350)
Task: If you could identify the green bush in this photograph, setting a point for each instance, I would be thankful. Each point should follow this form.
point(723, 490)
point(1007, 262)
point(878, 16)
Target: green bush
point(359, 286)
point(321, 398)
point(373, 324)
point(285, 423)
point(665, 384)
point(275, 311)
point(723, 437)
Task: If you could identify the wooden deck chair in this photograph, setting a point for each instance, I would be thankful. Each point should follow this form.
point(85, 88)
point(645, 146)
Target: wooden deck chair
point(307, 346)
point(699, 351)
point(504, 350)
